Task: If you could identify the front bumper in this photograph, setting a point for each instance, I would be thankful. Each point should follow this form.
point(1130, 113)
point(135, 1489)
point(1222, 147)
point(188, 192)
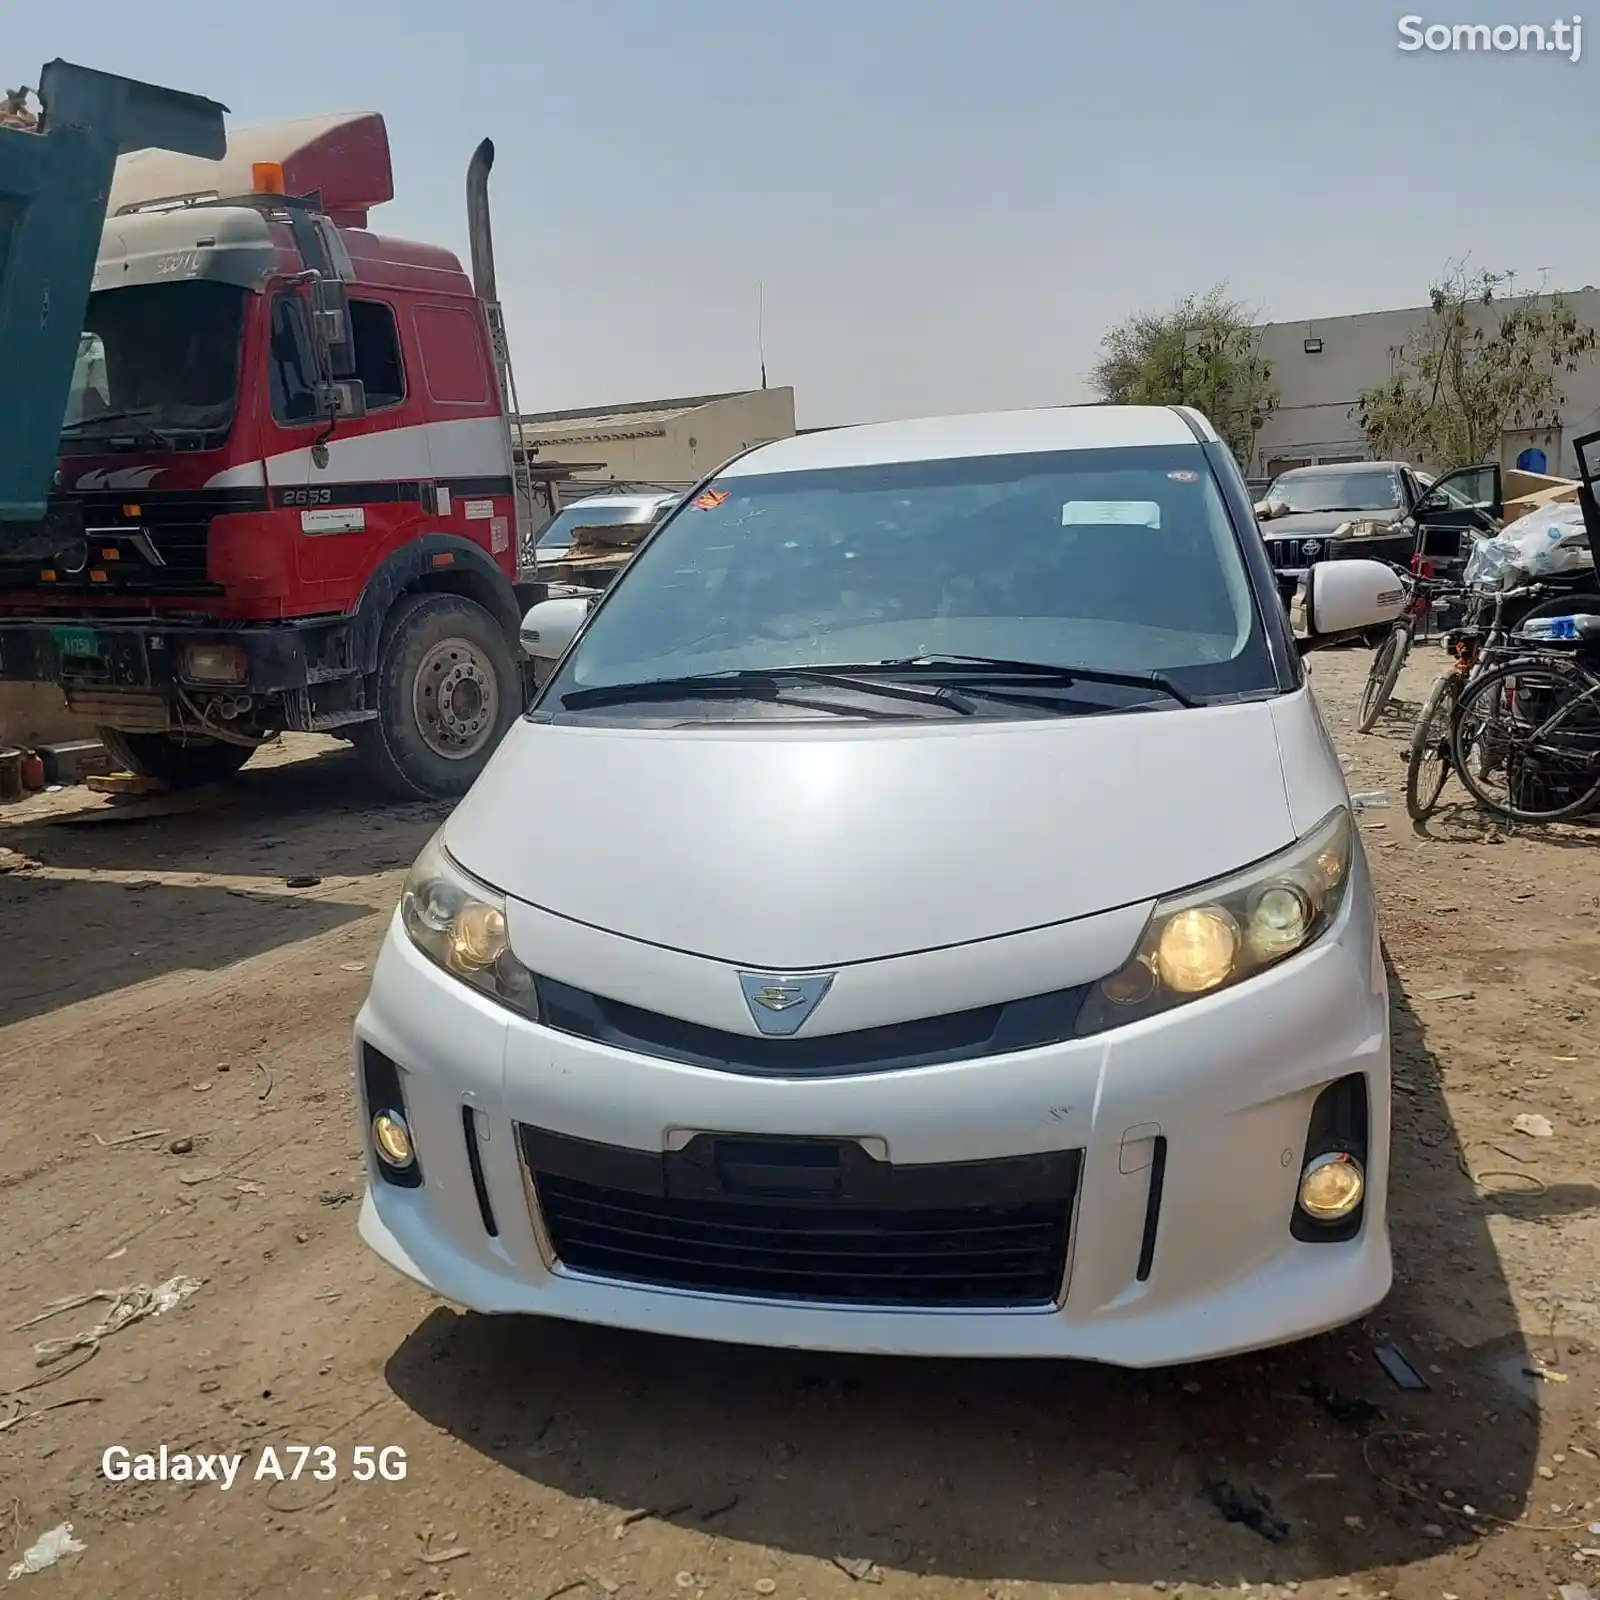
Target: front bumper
point(1292, 558)
point(85, 653)
point(1224, 1088)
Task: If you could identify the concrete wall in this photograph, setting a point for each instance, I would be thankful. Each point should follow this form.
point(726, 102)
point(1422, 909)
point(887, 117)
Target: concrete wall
point(1317, 394)
point(35, 713)
point(686, 447)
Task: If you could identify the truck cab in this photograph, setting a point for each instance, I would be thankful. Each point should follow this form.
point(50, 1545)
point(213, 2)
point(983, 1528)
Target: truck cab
point(285, 475)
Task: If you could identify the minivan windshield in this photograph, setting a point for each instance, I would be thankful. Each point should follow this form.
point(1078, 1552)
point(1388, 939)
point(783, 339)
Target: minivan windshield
point(1122, 560)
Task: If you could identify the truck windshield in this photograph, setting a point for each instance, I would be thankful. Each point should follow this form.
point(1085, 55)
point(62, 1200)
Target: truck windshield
point(1122, 560)
point(157, 364)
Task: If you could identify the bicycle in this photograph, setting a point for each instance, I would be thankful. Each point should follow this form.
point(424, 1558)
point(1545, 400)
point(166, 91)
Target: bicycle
point(1533, 720)
point(1472, 646)
point(1424, 596)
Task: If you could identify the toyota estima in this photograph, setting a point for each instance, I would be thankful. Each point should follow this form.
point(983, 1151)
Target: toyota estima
point(921, 913)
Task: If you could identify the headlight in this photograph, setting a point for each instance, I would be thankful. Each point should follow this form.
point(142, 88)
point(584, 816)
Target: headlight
point(461, 924)
point(1210, 938)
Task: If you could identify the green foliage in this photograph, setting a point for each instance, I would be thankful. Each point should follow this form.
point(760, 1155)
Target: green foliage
point(1483, 361)
point(1202, 353)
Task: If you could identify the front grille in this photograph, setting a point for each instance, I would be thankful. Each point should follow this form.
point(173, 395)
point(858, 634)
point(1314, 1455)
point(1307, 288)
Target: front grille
point(1293, 552)
point(1026, 1024)
point(808, 1220)
point(161, 551)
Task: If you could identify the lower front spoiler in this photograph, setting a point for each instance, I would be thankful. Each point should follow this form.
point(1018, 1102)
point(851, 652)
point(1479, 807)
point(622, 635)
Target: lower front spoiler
point(1303, 1291)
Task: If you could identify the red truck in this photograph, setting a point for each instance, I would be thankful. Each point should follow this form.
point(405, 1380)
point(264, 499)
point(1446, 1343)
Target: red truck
point(286, 497)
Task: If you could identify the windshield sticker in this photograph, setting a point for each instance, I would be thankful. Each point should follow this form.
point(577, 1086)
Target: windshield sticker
point(1122, 513)
point(710, 500)
point(1183, 475)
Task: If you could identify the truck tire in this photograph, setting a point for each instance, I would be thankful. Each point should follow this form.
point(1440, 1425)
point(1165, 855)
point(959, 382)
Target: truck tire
point(179, 766)
point(447, 689)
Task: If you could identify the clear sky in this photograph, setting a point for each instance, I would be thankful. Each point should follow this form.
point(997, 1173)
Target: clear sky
point(948, 201)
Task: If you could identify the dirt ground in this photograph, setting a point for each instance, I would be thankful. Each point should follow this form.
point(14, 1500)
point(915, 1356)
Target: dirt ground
point(197, 975)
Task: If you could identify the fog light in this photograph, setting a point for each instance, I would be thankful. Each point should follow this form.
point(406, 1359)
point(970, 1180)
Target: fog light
point(1332, 1186)
point(393, 1139)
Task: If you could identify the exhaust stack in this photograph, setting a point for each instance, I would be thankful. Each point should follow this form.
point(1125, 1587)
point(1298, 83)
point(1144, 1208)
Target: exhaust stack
point(480, 237)
point(478, 229)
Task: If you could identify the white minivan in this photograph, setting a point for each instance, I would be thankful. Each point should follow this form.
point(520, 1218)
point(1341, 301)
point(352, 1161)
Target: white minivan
point(921, 913)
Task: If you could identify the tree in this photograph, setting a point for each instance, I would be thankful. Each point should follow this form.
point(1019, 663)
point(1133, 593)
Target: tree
point(1204, 352)
point(1483, 361)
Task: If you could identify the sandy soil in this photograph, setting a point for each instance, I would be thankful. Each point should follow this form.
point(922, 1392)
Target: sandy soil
point(164, 974)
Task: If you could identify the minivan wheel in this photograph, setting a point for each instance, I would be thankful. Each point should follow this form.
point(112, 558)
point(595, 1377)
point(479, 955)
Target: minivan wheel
point(446, 691)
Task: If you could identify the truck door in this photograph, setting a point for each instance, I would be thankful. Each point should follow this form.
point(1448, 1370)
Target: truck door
point(325, 514)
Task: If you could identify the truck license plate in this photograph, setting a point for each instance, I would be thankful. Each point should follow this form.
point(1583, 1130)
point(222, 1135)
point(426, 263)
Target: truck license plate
point(78, 643)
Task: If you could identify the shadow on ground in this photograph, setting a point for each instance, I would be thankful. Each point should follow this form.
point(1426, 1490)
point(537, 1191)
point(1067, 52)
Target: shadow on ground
point(1046, 1472)
point(100, 910)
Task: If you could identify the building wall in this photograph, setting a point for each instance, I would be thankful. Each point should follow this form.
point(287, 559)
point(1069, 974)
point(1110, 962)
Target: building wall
point(686, 447)
point(1317, 394)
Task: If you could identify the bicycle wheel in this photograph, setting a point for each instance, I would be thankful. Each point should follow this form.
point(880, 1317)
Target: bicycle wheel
point(1526, 739)
point(1429, 765)
point(1383, 675)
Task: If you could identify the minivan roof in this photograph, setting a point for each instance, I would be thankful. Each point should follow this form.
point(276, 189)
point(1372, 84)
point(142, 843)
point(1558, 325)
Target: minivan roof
point(985, 433)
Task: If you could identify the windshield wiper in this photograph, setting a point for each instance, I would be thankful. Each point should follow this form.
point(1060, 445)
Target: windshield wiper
point(1044, 672)
point(763, 683)
point(1323, 511)
point(134, 414)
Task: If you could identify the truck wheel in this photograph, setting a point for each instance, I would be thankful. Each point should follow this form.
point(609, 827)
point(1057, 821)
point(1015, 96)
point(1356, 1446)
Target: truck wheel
point(179, 766)
point(446, 691)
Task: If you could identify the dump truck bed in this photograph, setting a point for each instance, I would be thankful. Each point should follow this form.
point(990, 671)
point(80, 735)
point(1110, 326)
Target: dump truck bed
point(55, 178)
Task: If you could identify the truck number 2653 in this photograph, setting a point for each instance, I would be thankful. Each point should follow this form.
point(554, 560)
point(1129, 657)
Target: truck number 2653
point(307, 497)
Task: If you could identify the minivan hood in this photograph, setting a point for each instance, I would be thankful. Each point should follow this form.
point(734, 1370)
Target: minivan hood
point(786, 847)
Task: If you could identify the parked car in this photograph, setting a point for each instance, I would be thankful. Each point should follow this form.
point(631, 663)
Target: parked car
point(968, 917)
point(1383, 510)
point(553, 543)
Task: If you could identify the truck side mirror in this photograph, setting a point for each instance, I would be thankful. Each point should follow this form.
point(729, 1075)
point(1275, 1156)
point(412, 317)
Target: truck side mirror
point(331, 327)
point(343, 400)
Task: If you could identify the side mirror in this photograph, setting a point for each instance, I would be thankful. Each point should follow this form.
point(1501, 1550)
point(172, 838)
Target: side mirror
point(1346, 597)
point(344, 399)
point(1430, 503)
point(330, 322)
point(552, 625)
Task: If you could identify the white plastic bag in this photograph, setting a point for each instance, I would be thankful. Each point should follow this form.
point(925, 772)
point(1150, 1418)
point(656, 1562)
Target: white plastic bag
point(46, 1550)
point(1489, 564)
point(1548, 541)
